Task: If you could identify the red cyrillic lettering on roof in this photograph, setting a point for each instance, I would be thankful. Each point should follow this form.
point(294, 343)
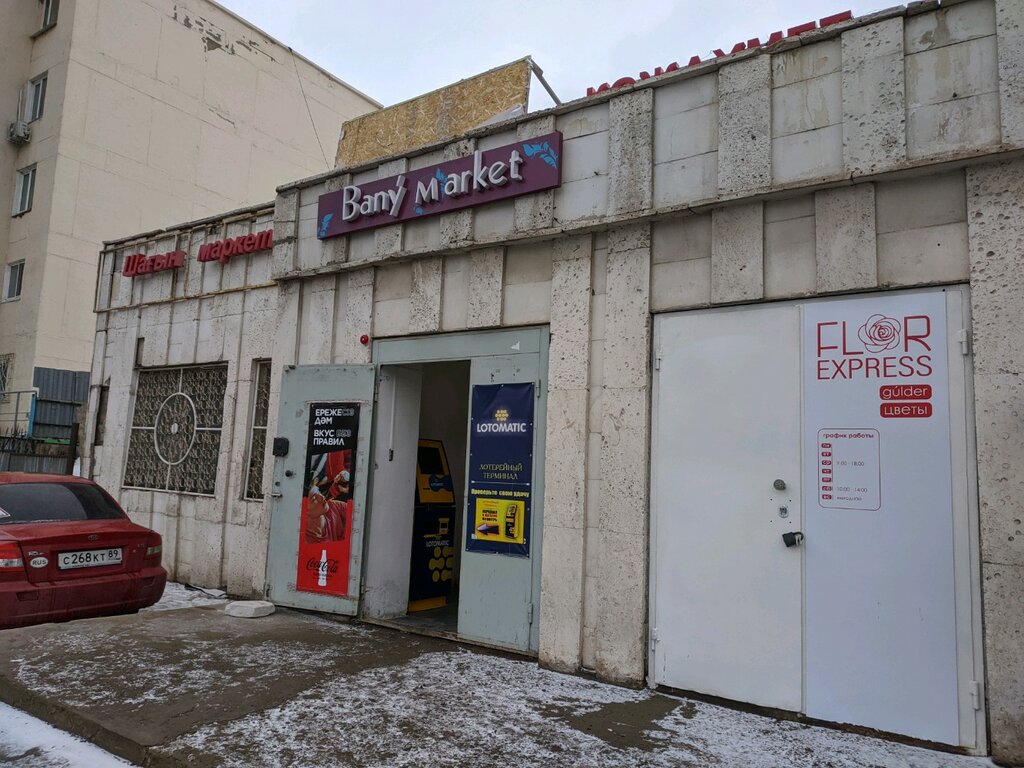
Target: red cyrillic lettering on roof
point(750, 44)
point(223, 250)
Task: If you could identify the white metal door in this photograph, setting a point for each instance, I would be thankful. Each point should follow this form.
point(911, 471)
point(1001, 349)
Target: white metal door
point(725, 591)
point(393, 493)
point(881, 626)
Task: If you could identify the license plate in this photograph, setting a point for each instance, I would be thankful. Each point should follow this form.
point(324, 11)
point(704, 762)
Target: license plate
point(88, 558)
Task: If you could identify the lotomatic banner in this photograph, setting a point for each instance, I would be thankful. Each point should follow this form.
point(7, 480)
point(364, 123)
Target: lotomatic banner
point(500, 469)
point(326, 516)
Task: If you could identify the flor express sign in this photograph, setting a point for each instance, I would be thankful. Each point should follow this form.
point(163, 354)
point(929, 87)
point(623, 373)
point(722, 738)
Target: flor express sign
point(483, 177)
point(876, 404)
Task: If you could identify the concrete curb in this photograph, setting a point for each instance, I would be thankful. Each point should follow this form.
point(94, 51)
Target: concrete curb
point(71, 720)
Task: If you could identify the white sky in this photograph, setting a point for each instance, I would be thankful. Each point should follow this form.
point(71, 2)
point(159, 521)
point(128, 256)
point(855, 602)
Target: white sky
point(396, 50)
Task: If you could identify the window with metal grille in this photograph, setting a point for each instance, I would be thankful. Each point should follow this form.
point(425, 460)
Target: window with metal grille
point(174, 440)
point(6, 364)
point(258, 431)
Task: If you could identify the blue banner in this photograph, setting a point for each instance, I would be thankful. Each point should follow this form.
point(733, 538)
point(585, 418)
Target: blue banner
point(500, 469)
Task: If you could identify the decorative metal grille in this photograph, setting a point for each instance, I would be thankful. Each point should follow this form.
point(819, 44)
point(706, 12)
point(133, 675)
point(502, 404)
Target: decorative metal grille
point(175, 433)
point(258, 433)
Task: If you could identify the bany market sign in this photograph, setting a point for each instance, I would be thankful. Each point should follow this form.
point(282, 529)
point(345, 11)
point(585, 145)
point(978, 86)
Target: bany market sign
point(483, 177)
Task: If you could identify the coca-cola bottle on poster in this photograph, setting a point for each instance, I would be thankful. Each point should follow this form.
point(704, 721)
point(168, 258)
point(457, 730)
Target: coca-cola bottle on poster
point(321, 580)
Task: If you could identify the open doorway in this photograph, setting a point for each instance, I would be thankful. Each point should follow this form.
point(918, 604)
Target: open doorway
point(416, 514)
point(495, 580)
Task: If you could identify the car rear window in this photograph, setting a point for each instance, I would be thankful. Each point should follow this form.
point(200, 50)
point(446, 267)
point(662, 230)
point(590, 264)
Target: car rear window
point(55, 502)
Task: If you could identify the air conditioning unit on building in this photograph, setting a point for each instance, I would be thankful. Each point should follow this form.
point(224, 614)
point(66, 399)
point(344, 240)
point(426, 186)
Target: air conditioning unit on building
point(19, 132)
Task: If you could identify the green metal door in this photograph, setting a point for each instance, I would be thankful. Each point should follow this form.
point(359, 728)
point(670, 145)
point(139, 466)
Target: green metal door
point(306, 392)
point(498, 592)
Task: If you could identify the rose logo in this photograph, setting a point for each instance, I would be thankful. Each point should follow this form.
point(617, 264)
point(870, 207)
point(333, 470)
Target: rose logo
point(879, 333)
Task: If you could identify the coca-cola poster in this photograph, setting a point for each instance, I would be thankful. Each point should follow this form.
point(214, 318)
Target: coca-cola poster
point(325, 517)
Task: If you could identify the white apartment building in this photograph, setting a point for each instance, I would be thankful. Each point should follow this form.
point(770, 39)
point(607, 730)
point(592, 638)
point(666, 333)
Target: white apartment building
point(117, 116)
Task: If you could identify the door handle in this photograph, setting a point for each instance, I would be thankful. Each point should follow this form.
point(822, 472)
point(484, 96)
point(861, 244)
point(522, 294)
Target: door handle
point(792, 538)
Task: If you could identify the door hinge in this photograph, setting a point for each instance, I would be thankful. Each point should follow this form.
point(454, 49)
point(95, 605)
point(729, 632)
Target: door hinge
point(537, 393)
point(654, 638)
point(975, 694)
point(657, 359)
point(529, 614)
point(965, 341)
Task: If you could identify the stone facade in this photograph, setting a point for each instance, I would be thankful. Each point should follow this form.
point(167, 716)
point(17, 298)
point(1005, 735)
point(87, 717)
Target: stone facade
point(833, 163)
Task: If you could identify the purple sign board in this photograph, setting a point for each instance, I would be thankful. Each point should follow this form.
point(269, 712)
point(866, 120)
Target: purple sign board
point(483, 177)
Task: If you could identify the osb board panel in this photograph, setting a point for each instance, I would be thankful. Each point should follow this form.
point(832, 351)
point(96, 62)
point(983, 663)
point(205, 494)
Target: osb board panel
point(435, 116)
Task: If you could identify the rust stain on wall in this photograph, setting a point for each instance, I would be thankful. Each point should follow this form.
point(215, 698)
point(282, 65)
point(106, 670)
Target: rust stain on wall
point(435, 116)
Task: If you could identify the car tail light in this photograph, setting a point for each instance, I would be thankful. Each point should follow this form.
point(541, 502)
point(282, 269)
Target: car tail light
point(154, 548)
point(11, 561)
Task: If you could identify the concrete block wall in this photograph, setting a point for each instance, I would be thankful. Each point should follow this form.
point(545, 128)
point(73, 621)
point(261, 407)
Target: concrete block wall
point(564, 540)
point(807, 111)
point(952, 79)
point(827, 165)
point(203, 313)
point(596, 292)
point(686, 140)
point(995, 201)
point(891, 234)
point(889, 93)
point(837, 134)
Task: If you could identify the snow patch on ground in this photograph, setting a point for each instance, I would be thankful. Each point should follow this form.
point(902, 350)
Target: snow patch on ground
point(461, 708)
point(182, 596)
point(26, 742)
point(177, 596)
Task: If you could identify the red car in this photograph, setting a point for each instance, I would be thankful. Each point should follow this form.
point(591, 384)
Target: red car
point(68, 551)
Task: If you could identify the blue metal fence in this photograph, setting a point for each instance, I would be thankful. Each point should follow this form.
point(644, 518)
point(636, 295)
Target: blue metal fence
point(18, 413)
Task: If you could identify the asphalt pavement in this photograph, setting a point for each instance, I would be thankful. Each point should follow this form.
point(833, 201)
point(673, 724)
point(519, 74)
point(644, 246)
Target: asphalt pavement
point(193, 686)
